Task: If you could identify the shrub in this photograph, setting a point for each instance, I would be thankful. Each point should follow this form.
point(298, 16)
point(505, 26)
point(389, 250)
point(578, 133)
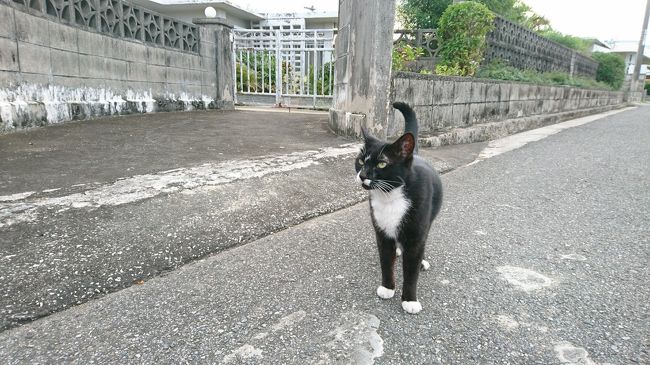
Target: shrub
point(647, 88)
point(611, 69)
point(462, 30)
point(403, 54)
point(500, 71)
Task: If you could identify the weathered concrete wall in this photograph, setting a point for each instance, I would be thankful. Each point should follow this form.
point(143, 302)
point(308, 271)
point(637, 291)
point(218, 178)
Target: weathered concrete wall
point(444, 104)
point(52, 72)
point(363, 60)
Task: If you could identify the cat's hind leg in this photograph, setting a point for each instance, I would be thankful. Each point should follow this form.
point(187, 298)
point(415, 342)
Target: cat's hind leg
point(411, 265)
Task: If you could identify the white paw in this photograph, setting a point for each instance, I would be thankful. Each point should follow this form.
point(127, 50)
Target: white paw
point(398, 252)
point(412, 307)
point(425, 265)
point(385, 293)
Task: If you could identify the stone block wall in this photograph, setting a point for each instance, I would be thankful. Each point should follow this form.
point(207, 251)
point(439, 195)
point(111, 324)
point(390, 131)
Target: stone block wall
point(445, 103)
point(53, 72)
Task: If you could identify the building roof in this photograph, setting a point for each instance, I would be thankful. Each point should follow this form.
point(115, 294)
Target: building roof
point(167, 6)
point(597, 42)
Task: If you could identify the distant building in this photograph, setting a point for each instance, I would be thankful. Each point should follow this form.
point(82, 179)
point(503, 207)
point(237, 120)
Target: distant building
point(598, 46)
point(628, 50)
point(293, 26)
point(187, 10)
point(309, 20)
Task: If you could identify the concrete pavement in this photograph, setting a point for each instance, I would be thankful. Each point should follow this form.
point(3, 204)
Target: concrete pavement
point(539, 256)
point(76, 224)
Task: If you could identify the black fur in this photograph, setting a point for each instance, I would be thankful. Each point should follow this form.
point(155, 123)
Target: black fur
point(421, 187)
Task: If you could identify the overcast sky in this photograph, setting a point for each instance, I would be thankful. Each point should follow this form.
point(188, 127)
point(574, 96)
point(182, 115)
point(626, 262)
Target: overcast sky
point(602, 19)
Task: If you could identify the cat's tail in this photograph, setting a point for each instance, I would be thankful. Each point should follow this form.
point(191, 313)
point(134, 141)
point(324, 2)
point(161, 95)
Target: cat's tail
point(410, 121)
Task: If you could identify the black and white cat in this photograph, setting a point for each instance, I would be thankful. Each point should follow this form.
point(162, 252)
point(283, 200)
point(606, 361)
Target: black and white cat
point(405, 197)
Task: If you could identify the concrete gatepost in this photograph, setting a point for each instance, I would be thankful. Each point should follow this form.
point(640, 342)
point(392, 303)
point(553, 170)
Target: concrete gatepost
point(363, 61)
point(217, 51)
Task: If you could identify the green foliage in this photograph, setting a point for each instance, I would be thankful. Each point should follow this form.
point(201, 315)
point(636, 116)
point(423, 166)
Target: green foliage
point(524, 15)
point(403, 54)
point(246, 76)
point(611, 69)
point(324, 82)
point(647, 89)
point(253, 71)
point(500, 71)
point(425, 14)
point(445, 70)
point(421, 14)
point(579, 44)
point(462, 31)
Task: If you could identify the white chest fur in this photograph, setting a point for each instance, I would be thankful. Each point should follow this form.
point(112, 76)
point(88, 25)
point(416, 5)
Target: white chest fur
point(388, 210)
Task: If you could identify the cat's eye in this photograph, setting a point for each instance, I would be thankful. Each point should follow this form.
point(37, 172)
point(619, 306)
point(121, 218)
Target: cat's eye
point(360, 162)
point(381, 165)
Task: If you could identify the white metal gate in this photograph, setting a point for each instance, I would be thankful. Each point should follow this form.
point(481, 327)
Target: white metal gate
point(284, 67)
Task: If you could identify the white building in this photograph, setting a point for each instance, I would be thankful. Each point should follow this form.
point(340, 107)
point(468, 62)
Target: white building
point(628, 49)
point(186, 10)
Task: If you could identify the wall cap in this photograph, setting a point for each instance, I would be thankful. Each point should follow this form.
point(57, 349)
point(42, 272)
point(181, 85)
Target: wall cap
point(431, 77)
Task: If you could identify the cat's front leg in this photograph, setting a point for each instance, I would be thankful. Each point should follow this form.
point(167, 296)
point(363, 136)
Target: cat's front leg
point(411, 267)
point(387, 259)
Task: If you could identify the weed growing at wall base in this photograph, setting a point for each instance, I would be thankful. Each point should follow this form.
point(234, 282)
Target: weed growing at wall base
point(403, 54)
point(499, 70)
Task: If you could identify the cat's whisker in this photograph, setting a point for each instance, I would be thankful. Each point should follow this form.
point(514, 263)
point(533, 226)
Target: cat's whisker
point(381, 186)
point(395, 182)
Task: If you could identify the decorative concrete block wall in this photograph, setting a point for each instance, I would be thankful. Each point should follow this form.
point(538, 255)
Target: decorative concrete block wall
point(524, 49)
point(444, 103)
point(54, 69)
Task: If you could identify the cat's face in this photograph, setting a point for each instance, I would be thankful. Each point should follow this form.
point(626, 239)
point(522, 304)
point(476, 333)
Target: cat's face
point(382, 165)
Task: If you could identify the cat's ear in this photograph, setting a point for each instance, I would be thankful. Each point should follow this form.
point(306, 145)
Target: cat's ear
point(405, 145)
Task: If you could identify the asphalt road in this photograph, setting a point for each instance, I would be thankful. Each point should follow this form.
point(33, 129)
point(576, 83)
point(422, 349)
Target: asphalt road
point(540, 256)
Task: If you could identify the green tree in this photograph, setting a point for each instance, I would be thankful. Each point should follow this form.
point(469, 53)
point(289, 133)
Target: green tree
point(462, 32)
point(422, 14)
point(579, 44)
point(611, 69)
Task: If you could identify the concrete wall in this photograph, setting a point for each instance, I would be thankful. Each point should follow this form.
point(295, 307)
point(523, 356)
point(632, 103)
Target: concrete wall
point(52, 72)
point(444, 104)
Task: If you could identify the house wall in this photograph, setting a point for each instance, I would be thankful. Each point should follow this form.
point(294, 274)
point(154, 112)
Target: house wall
point(52, 71)
point(487, 109)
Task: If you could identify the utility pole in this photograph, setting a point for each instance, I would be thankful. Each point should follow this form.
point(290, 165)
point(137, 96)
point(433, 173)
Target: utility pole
point(640, 50)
